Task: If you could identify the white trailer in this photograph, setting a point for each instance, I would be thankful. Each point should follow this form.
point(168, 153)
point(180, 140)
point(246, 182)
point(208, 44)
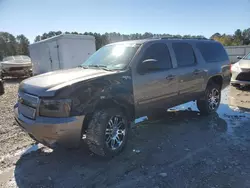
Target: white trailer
point(61, 52)
point(234, 51)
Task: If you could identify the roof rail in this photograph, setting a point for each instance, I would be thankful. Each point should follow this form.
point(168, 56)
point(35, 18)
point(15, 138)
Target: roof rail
point(184, 38)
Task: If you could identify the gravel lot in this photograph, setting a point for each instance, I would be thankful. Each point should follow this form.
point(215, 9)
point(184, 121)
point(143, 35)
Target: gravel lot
point(184, 149)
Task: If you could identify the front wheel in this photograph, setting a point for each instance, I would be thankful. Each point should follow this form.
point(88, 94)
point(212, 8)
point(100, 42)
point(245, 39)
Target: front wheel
point(107, 132)
point(1, 88)
point(211, 101)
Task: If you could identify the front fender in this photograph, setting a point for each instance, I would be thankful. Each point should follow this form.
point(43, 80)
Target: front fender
point(88, 96)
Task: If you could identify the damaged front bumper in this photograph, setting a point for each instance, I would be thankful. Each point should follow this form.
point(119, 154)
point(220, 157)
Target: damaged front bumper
point(52, 131)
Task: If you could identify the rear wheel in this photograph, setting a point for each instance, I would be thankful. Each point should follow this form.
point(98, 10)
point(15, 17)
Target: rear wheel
point(107, 132)
point(211, 100)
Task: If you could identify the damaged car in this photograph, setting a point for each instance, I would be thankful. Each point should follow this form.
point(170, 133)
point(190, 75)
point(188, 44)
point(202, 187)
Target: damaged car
point(16, 66)
point(121, 81)
point(241, 72)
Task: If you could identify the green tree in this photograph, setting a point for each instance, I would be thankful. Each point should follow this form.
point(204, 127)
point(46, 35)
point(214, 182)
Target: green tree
point(8, 45)
point(38, 38)
point(22, 45)
point(246, 36)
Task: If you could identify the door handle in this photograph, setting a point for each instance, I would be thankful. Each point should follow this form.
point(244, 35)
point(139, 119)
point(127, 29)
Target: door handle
point(196, 71)
point(170, 77)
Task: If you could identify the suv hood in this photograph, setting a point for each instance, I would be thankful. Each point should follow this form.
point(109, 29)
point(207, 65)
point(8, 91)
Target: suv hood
point(47, 84)
point(244, 64)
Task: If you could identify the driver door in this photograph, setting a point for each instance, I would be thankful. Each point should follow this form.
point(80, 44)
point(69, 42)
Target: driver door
point(154, 88)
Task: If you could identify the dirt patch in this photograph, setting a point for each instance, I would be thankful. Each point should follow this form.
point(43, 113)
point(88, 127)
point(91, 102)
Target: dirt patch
point(181, 149)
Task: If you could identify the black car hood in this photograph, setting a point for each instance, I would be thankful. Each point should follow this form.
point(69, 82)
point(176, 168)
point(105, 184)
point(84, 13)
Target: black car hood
point(47, 84)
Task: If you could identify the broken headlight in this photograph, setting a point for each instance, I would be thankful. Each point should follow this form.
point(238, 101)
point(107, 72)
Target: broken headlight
point(55, 108)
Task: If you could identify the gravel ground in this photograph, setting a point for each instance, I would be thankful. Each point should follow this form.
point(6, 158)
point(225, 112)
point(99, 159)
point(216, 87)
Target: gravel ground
point(183, 149)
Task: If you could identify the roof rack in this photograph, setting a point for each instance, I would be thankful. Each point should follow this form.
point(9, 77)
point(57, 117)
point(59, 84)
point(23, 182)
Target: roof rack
point(185, 38)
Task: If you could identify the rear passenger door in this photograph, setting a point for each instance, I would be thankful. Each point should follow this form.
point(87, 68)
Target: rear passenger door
point(191, 77)
point(154, 88)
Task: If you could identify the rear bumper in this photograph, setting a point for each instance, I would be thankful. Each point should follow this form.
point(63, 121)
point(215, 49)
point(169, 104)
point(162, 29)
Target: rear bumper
point(52, 131)
point(242, 78)
point(240, 82)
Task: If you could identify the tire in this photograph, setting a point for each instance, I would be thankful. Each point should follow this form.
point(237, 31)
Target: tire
point(205, 107)
point(1, 88)
point(100, 135)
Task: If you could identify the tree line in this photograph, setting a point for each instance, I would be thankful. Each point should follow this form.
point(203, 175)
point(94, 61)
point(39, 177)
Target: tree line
point(18, 45)
point(240, 37)
point(13, 45)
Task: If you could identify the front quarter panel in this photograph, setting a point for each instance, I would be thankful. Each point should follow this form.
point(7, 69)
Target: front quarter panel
point(87, 95)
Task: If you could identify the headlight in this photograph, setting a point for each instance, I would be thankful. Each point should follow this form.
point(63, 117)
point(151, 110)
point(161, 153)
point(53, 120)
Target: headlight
point(55, 108)
point(236, 68)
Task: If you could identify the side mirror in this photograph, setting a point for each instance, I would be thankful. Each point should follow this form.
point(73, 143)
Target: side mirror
point(239, 57)
point(148, 65)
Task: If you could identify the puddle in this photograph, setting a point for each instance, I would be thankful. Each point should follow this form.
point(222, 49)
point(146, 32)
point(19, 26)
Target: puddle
point(32, 148)
point(22, 152)
point(141, 119)
point(234, 117)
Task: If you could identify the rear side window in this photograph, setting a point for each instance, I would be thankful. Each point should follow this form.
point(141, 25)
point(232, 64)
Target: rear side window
point(212, 52)
point(159, 52)
point(184, 54)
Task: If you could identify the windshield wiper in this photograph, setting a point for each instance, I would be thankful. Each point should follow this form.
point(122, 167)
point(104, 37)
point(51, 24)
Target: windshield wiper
point(104, 67)
point(81, 66)
point(98, 66)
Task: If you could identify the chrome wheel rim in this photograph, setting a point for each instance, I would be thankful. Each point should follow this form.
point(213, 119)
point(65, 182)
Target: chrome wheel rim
point(115, 132)
point(213, 99)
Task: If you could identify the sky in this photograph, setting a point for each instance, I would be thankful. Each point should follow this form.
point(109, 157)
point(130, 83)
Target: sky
point(195, 17)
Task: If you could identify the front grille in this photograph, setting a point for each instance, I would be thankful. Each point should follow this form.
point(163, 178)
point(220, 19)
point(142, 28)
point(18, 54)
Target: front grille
point(27, 105)
point(243, 76)
point(16, 68)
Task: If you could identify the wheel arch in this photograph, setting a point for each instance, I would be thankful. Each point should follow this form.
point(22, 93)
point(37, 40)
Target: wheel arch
point(126, 107)
point(217, 79)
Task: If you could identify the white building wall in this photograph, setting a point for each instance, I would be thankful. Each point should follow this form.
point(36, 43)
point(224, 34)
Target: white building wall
point(234, 51)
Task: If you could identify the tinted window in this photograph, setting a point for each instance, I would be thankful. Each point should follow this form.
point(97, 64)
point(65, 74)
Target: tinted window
point(159, 52)
point(212, 52)
point(184, 54)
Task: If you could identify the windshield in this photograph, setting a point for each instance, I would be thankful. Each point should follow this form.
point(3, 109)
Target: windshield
point(19, 57)
point(247, 57)
point(9, 58)
point(112, 57)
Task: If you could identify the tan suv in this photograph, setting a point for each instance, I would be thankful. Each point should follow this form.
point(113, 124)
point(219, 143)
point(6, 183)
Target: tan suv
point(118, 83)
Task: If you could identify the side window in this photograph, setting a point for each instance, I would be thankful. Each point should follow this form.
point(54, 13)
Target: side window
point(247, 57)
point(212, 52)
point(184, 54)
point(159, 52)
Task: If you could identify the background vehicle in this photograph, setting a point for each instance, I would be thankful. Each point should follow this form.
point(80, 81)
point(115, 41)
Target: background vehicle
point(235, 51)
point(241, 71)
point(1, 85)
point(16, 66)
point(61, 52)
point(118, 83)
